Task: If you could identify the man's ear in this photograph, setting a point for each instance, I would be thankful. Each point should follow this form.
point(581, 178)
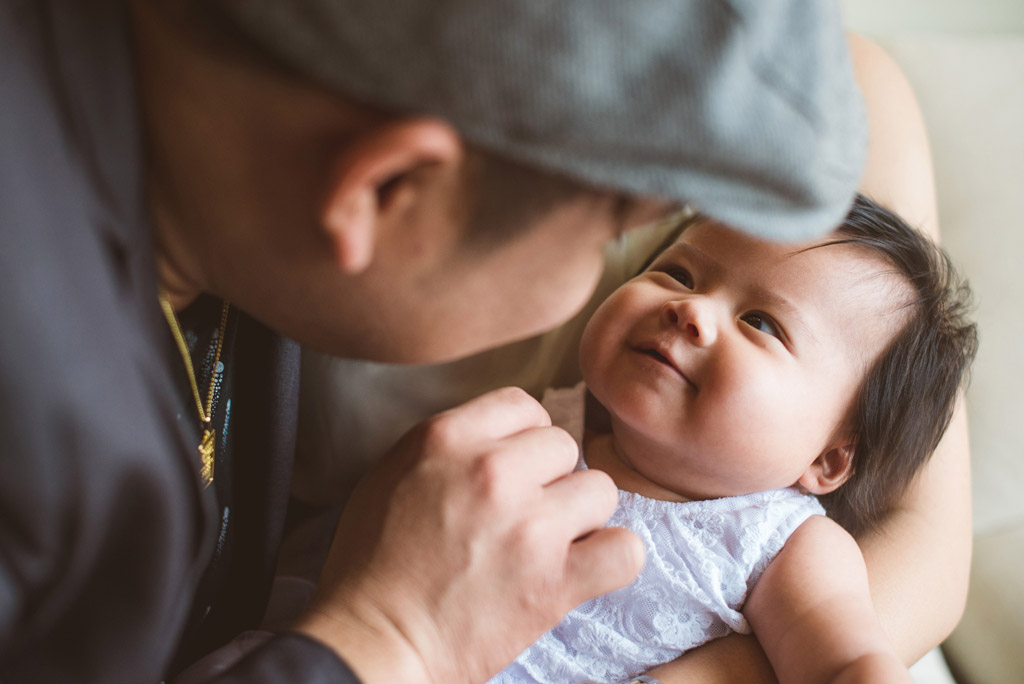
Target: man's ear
point(372, 177)
point(831, 469)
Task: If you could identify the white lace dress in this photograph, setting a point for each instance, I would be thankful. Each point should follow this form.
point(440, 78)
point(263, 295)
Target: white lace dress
point(703, 557)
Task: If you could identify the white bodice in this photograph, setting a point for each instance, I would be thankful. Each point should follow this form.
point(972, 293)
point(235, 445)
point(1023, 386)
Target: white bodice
point(703, 557)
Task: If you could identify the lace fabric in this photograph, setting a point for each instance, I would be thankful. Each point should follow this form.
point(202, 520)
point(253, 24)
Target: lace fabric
point(703, 557)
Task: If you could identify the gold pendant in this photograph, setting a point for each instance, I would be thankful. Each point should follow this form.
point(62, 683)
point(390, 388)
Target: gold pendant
point(206, 448)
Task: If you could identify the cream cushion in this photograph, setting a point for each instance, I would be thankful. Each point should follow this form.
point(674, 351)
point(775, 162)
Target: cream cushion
point(987, 646)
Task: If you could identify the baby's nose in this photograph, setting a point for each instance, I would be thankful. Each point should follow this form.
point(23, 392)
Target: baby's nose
point(692, 317)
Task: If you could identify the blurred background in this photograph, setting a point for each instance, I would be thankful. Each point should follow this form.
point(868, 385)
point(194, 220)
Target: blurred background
point(879, 17)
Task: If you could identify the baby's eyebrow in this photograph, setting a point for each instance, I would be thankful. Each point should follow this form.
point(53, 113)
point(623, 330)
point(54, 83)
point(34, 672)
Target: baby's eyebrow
point(794, 317)
point(706, 262)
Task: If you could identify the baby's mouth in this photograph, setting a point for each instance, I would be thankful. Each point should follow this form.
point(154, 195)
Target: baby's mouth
point(655, 354)
point(665, 360)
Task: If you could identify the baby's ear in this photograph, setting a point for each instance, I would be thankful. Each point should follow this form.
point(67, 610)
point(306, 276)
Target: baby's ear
point(828, 471)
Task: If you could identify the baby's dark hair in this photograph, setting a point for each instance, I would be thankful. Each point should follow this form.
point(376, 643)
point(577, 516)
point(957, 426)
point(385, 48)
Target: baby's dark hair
point(906, 400)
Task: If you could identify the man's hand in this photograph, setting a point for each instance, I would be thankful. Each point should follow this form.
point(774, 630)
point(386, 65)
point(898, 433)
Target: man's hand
point(470, 540)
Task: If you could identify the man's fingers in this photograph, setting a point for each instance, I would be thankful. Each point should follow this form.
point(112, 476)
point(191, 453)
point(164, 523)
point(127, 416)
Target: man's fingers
point(492, 416)
point(537, 456)
point(581, 502)
point(604, 561)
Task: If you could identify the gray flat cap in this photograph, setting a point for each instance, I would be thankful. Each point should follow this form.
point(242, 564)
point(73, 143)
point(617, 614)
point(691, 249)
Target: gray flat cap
point(746, 109)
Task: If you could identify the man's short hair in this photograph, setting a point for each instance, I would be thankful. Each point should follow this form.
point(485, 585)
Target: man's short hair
point(506, 198)
point(747, 110)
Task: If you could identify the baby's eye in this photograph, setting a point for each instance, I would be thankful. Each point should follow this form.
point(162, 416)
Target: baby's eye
point(762, 322)
point(680, 274)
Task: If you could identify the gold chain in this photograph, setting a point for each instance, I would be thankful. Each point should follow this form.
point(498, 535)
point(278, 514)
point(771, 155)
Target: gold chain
point(206, 445)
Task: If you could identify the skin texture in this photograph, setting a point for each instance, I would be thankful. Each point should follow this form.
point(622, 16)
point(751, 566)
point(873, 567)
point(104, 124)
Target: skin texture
point(932, 527)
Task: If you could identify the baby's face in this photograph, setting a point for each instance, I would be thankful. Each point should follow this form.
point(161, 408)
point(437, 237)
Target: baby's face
point(729, 365)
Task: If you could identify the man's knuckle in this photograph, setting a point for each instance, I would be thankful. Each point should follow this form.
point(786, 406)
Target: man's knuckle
point(565, 444)
point(489, 475)
point(526, 407)
point(604, 488)
point(515, 395)
point(439, 433)
point(530, 536)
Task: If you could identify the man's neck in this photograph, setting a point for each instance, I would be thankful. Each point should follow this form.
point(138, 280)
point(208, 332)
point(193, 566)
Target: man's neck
point(162, 61)
point(236, 151)
point(175, 278)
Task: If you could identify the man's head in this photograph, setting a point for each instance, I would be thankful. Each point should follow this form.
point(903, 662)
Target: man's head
point(733, 365)
point(360, 232)
point(412, 182)
point(748, 111)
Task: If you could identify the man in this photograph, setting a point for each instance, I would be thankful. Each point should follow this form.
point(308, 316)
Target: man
point(184, 187)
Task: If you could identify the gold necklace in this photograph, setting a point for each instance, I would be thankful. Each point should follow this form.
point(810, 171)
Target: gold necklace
point(206, 445)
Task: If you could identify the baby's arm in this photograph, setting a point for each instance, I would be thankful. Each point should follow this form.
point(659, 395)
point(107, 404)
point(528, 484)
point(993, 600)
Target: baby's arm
point(812, 612)
point(813, 615)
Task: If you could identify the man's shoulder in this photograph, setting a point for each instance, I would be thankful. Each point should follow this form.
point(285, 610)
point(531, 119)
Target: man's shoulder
point(81, 342)
point(87, 421)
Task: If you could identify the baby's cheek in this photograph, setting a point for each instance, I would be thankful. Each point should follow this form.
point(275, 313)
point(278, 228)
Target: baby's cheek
point(767, 406)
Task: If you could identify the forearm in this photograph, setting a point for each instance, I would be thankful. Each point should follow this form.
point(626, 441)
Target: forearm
point(873, 668)
point(919, 560)
point(735, 658)
point(257, 657)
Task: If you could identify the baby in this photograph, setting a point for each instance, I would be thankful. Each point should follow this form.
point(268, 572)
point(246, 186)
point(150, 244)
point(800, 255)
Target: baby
point(749, 388)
